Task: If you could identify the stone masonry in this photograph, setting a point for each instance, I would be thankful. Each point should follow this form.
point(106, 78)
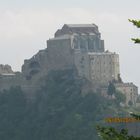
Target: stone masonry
point(74, 46)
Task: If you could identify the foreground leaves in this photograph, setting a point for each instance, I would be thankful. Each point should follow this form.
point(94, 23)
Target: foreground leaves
point(137, 24)
point(110, 133)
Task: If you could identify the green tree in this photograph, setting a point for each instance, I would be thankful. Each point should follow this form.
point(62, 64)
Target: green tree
point(137, 24)
point(130, 103)
point(111, 89)
point(119, 79)
point(110, 133)
point(120, 97)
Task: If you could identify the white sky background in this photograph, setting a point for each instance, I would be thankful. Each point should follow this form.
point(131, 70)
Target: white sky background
point(26, 25)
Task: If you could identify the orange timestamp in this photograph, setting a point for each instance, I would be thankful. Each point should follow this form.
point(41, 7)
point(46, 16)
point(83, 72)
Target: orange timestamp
point(121, 120)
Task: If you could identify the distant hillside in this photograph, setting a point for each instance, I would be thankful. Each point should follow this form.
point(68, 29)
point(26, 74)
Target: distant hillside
point(59, 111)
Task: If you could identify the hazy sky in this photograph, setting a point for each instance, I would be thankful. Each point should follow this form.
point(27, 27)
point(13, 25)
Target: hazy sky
point(25, 25)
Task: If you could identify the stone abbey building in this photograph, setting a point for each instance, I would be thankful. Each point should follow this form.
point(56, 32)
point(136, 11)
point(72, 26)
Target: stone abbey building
point(75, 46)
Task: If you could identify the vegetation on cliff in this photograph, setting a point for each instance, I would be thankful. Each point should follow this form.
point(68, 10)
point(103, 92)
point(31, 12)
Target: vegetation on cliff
point(59, 111)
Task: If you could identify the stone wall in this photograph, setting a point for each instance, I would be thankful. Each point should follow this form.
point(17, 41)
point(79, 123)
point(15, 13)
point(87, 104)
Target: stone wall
point(7, 81)
point(129, 90)
point(36, 65)
point(104, 67)
point(81, 61)
point(74, 47)
point(60, 54)
point(5, 69)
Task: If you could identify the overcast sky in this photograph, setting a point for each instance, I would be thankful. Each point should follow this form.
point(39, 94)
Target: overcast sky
point(25, 25)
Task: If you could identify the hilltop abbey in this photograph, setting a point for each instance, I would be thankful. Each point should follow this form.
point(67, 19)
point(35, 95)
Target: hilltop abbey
point(75, 46)
point(80, 47)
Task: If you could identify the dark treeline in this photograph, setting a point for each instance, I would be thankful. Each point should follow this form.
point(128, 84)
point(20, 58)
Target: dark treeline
point(58, 112)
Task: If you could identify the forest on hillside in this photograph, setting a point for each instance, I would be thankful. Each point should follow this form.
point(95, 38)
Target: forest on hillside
point(58, 112)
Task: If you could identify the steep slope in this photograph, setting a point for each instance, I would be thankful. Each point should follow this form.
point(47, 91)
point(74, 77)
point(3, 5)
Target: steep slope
point(59, 111)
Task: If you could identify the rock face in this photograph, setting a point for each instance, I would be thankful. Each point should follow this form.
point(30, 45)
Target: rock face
point(6, 69)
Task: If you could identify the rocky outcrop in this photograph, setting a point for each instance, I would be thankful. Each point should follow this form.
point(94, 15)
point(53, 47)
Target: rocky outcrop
point(6, 69)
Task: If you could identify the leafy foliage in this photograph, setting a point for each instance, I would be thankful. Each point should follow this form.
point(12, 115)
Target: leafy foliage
point(110, 133)
point(136, 116)
point(111, 89)
point(58, 111)
point(137, 24)
point(130, 103)
point(120, 97)
point(136, 40)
